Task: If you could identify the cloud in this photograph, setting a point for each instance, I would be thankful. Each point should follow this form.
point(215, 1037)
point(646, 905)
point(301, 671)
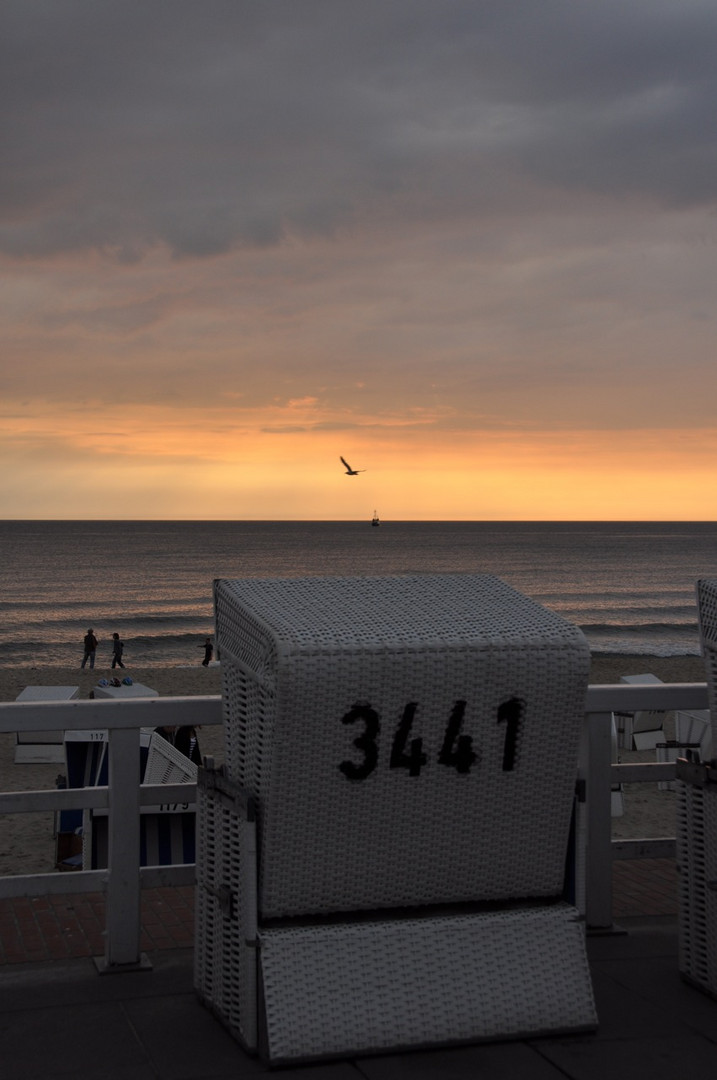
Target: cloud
point(249, 228)
point(222, 126)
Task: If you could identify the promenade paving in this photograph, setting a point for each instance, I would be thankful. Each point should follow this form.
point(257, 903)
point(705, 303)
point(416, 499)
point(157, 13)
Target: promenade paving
point(59, 1018)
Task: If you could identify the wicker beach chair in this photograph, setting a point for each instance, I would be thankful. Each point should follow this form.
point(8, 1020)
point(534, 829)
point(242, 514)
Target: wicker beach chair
point(644, 729)
point(382, 862)
point(166, 764)
point(694, 726)
point(696, 792)
point(693, 731)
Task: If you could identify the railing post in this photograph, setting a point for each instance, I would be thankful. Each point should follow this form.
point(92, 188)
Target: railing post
point(123, 919)
point(598, 874)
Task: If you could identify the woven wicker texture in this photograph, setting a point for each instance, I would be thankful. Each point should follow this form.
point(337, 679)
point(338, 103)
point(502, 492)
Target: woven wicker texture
point(225, 912)
point(166, 764)
point(338, 990)
point(410, 740)
point(697, 863)
point(707, 610)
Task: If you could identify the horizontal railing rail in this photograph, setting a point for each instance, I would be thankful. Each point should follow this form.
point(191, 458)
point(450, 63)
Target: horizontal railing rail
point(102, 713)
point(123, 880)
point(633, 697)
point(90, 798)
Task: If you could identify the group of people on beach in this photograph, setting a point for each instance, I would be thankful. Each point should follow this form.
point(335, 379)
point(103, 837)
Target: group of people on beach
point(91, 644)
point(183, 738)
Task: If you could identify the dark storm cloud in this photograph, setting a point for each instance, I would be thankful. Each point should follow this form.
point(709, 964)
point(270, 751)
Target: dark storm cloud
point(207, 127)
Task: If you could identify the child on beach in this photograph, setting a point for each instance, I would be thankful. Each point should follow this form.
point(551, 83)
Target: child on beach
point(117, 650)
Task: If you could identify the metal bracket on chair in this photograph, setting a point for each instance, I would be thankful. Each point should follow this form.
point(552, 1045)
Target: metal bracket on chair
point(695, 772)
point(230, 794)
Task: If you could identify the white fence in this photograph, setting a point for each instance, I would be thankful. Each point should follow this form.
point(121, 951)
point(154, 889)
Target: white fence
point(123, 880)
point(597, 774)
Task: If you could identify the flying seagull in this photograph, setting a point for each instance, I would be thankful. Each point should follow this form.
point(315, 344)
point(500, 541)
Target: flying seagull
point(349, 470)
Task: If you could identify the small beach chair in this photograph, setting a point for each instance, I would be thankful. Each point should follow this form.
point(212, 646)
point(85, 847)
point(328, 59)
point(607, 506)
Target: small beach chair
point(166, 764)
point(641, 730)
point(167, 830)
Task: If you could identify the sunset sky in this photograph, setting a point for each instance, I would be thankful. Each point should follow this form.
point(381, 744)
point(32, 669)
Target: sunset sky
point(470, 245)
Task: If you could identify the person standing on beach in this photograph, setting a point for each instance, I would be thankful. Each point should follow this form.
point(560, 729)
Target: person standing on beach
point(90, 648)
point(208, 652)
point(117, 650)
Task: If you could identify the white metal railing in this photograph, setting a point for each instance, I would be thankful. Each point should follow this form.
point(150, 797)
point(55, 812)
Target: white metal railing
point(598, 774)
point(123, 880)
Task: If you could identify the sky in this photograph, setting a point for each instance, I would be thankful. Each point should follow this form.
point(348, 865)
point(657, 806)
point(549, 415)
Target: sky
point(468, 245)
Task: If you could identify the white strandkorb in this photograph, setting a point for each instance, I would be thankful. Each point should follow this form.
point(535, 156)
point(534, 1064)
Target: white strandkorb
point(408, 741)
point(707, 609)
point(310, 666)
point(298, 991)
point(166, 764)
point(225, 962)
point(696, 791)
point(696, 788)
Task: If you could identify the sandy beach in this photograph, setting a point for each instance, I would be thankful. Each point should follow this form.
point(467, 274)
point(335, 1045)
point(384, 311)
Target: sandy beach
point(27, 844)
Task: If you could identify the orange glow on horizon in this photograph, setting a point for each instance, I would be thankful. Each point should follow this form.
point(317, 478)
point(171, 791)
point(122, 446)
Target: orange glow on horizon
point(278, 463)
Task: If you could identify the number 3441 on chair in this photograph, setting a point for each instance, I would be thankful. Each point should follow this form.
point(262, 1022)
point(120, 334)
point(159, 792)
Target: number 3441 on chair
point(456, 750)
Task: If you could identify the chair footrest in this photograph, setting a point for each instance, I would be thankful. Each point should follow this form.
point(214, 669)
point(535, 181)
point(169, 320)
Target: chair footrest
point(367, 987)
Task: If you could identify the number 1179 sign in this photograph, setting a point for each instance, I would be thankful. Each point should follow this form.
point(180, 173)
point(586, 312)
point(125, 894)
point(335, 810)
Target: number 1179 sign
point(455, 752)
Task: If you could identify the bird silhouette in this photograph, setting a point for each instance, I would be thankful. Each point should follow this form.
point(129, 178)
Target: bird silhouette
point(349, 470)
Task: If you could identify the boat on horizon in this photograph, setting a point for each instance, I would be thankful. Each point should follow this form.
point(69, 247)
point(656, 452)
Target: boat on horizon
point(374, 519)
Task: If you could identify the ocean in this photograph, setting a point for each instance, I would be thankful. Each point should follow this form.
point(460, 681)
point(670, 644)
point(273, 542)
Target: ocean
point(629, 586)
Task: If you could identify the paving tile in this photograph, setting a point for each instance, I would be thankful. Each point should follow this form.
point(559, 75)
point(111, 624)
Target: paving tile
point(60, 926)
point(40, 903)
point(332, 1070)
point(76, 983)
point(656, 980)
point(183, 1040)
point(107, 1071)
point(644, 887)
point(646, 937)
point(490, 1061)
point(659, 1058)
point(67, 1041)
point(621, 1012)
